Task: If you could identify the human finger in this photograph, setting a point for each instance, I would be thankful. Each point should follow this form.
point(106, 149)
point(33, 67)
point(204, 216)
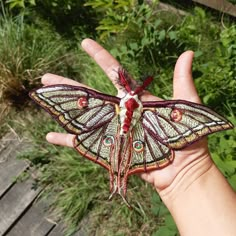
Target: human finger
point(60, 139)
point(50, 79)
point(183, 84)
point(103, 58)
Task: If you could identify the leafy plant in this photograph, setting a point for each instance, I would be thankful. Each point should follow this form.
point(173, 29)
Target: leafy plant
point(232, 1)
point(228, 41)
point(214, 67)
point(166, 224)
point(149, 43)
point(223, 148)
point(118, 14)
point(26, 53)
point(20, 3)
point(70, 18)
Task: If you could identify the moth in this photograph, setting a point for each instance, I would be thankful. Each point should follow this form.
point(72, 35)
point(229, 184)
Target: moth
point(125, 135)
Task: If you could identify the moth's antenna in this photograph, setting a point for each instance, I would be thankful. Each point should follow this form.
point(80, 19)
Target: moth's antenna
point(146, 82)
point(123, 80)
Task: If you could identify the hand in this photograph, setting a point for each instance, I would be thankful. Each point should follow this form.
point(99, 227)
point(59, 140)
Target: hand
point(192, 161)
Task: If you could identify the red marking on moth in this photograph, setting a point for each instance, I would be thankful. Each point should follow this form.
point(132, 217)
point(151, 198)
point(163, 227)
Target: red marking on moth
point(125, 83)
point(176, 115)
point(130, 105)
point(138, 146)
point(82, 102)
point(123, 80)
point(146, 82)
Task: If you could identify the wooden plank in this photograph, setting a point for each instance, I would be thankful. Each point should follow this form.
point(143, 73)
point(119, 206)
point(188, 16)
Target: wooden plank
point(10, 167)
point(33, 222)
point(83, 228)
point(8, 172)
point(168, 8)
point(80, 233)
point(15, 202)
point(220, 5)
point(57, 230)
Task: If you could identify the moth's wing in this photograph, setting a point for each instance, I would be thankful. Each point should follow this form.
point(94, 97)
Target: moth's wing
point(148, 153)
point(61, 101)
point(168, 125)
point(179, 123)
point(99, 144)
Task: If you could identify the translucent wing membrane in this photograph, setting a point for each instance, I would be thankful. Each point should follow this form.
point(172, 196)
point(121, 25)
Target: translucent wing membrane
point(179, 123)
point(76, 108)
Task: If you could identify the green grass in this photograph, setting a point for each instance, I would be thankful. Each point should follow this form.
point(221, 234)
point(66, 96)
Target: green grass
point(26, 53)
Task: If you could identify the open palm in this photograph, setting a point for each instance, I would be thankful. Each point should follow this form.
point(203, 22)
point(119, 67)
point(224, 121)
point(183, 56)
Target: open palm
point(183, 88)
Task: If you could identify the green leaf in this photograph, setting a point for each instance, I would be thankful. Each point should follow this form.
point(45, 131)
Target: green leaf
point(16, 3)
point(222, 165)
point(169, 221)
point(172, 35)
point(157, 23)
point(232, 163)
point(198, 53)
point(207, 97)
point(163, 210)
point(162, 35)
point(163, 231)
point(133, 46)
point(32, 2)
point(232, 181)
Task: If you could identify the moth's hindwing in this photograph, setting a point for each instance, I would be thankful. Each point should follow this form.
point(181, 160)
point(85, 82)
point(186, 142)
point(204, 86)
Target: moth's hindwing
point(148, 153)
point(99, 145)
point(178, 124)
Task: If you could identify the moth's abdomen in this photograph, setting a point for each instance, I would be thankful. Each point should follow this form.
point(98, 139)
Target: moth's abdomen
point(130, 112)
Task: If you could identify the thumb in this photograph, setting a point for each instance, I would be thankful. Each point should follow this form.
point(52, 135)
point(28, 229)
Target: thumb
point(183, 84)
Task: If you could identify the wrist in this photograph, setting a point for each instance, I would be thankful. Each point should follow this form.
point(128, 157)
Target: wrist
point(201, 201)
point(191, 176)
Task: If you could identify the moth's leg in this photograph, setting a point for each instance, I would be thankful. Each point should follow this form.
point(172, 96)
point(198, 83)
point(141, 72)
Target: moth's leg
point(114, 166)
point(113, 184)
point(122, 188)
point(124, 166)
point(120, 167)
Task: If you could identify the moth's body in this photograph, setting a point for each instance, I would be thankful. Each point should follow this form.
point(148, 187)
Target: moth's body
point(127, 136)
point(130, 110)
